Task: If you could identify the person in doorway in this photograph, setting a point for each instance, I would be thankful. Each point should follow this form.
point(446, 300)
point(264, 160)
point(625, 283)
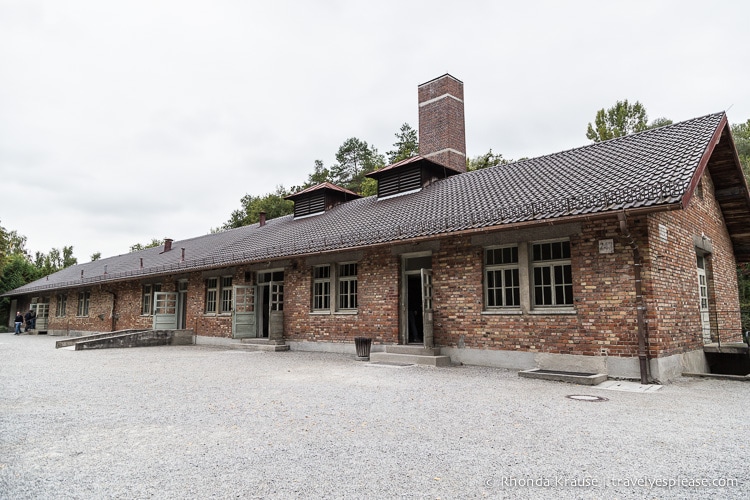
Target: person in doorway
point(19, 322)
point(33, 319)
point(27, 317)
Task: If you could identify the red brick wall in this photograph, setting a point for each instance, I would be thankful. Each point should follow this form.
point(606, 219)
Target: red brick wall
point(672, 281)
point(604, 322)
point(377, 314)
point(441, 123)
point(604, 302)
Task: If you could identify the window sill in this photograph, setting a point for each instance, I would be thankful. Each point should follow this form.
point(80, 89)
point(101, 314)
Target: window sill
point(320, 313)
point(562, 311)
point(348, 312)
point(502, 312)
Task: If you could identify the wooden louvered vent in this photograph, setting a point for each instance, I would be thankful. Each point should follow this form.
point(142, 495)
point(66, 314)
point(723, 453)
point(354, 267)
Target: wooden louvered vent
point(408, 179)
point(308, 205)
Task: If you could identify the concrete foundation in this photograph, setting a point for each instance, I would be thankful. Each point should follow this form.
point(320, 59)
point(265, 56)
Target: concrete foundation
point(662, 369)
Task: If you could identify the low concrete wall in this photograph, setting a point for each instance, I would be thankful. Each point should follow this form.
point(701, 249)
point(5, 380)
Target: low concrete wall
point(335, 347)
point(143, 338)
point(662, 369)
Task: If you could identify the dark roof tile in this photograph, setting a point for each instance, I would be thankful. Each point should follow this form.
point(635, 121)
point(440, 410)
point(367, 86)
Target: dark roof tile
point(641, 170)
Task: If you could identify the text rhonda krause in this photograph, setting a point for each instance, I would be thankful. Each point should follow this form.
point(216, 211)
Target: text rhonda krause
point(597, 482)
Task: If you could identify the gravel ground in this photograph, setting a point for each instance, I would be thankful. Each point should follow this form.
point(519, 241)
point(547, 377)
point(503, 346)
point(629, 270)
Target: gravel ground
point(205, 422)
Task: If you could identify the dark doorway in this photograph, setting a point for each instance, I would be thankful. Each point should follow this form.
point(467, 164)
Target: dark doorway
point(415, 334)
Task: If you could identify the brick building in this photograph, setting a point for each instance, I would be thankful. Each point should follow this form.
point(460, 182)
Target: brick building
point(617, 257)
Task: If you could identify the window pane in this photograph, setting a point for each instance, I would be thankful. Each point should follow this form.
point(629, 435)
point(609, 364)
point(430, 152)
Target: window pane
point(565, 249)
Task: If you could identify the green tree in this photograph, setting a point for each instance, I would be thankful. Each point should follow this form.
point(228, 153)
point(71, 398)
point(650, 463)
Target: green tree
point(621, 119)
point(406, 145)
point(96, 256)
point(319, 175)
point(11, 243)
point(489, 159)
point(741, 135)
point(273, 204)
point(660, 122)
point(155, 242)
point(369, 187)
point(55, 260)
point(355, 159)
point(16, 271)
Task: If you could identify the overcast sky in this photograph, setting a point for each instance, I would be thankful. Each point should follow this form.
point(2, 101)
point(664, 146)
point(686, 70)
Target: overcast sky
point(123, 121)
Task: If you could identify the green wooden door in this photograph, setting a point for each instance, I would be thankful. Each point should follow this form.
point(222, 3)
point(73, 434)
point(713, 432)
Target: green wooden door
point(244, 323)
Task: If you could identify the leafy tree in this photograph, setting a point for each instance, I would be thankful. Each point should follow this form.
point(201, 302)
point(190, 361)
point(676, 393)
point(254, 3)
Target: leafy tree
point(11, 243)
point(621, 119)
point(407, 144)
point(355, 159)
point(319, 175)
point(741, 135)
point(54, 260)
point(489, 159)
point(16, 271)
point(96, 256)
point(369, 187)
point(155, 242)
point(660, 122)
point(273, 204)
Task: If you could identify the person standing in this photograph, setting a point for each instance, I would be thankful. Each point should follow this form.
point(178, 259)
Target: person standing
point(19, 322)
point(27, 317)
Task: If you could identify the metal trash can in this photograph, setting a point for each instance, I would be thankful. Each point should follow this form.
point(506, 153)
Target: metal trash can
point(363, 348)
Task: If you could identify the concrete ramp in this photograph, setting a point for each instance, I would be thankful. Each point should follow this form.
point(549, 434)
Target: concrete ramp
point(128, 338)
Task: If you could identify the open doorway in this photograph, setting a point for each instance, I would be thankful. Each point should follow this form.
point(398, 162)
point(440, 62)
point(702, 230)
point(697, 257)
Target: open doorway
point(416, 299)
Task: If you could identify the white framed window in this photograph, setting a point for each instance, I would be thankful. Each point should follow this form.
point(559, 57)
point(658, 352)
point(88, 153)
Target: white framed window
point(212, 287)
point(84, 299)
point(147, 298)
point(226, 294)
point(347, 286)
point(219, 295)
point(321, 288)
point(61, 305)
point(552, 277)
point(502, 288)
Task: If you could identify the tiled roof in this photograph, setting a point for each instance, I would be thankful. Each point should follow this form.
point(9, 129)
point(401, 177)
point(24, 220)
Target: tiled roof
point(649, 169)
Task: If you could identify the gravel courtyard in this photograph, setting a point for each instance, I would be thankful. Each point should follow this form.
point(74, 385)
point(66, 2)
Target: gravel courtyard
point(206, 422)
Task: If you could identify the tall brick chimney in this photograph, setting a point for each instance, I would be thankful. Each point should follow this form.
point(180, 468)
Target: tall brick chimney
point(442, 131)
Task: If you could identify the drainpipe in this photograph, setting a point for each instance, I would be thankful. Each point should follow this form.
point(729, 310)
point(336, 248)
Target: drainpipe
point(640, 304)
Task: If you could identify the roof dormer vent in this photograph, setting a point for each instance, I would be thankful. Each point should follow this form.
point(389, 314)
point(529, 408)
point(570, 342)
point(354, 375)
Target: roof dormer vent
point(319, 199)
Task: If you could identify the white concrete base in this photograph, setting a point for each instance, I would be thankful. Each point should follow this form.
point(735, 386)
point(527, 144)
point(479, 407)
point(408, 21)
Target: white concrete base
point(335, 347)
point(514, 360)
point(669, 368)
point(662, 369)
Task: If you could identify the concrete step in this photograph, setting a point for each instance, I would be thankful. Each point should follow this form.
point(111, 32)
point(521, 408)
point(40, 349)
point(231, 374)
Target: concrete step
point(416, 350)
point(563, 376)
point(245, 346)
point(415, 359)
point(262, 341)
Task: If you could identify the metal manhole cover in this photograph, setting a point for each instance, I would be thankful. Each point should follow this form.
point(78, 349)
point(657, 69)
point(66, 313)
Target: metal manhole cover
point(586, 397)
